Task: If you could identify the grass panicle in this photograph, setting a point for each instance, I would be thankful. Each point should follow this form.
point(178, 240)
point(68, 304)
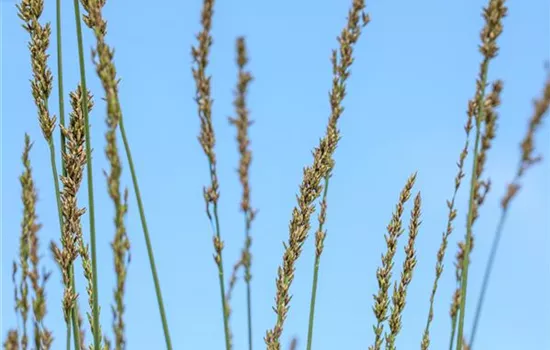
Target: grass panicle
point(527, 160)
point(384, 272)
point(242, 124)
point(399, 296)
point(42, 336)
point(75, 160)
point(207, 139)
point(451, 205)
point(30, 12)
point(31, 299)
point(121, 242)
point(323, 162)
point(29, 200)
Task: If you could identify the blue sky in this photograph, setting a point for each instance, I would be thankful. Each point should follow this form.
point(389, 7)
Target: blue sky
point(414, 72)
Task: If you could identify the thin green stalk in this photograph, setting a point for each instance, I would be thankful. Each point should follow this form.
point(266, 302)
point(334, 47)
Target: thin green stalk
point(68, 335)
point(61, 98)
point(207, 141)
point(474, 180)
point(527, 160)
point(249, 310)
point(315, 277)
point(487, 275)
point(453, 333)
point(60, 90)
point(222, 283)
point(146, 235)
point(95, 311)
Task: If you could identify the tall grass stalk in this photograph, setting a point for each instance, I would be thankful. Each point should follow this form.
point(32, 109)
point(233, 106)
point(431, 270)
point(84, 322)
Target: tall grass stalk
point(425, 344)
point(89, 171)
point(527, 160)
point(493, 14)
point(92, 25)
point(61, 99)
point(207, 140)
point(242, 124)
point(323, 162)
point(149, 245)
point(319, 245)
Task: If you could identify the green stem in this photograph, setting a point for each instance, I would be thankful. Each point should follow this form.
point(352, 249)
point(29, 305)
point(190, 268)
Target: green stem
point(61, 99)
point(473, 182)
point(60, 90)
point(487, 275)
point(147, 236)
point(249, 310)
point(247, 276)
point(312, 303)
point(68, 323)
point(95, 311)
point(222, 283)
point(453, 332)
point(315, 278)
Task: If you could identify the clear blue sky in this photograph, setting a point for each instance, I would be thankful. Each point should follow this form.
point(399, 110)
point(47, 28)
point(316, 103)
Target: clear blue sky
point(414, 72)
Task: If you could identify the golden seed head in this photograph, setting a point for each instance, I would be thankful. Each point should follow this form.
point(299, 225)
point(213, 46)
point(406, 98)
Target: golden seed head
point(30, 12)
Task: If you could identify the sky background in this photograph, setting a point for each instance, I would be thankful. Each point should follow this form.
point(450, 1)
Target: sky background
point(414, 72)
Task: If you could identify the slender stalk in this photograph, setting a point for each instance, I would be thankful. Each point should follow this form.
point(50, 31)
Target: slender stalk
point(89, 172)
point(61, 93)
point(470, 220)
point(425, 344)
point(94, 9)
point(61, 99)
point(147, 236)
point(227, 332)
point(68, 336)
point(323, 162)
point(206, 138)
point(527, 160)
point(453, 333)
point(493, 14)
point(242, 123)
point(249, 312)
point(487, 275)
point(320, 237)
point(454, 313)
